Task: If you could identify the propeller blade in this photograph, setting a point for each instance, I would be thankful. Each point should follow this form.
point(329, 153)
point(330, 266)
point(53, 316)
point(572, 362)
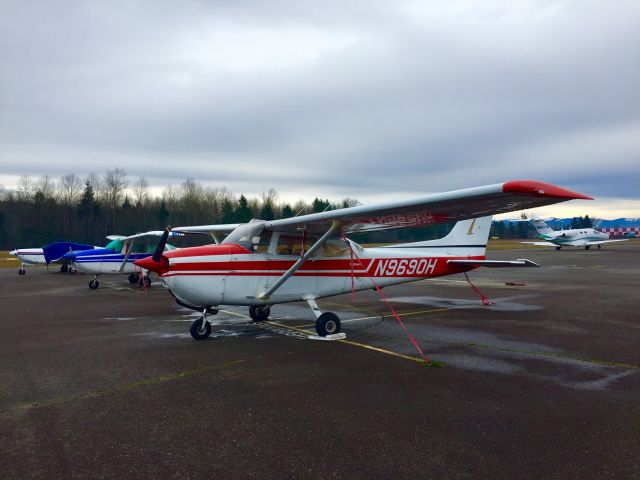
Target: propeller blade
point(157, 255)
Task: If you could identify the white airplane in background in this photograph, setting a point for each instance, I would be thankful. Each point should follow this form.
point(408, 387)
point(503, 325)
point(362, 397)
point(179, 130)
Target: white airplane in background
point(118, 257)
point(575, 237)
point(262, 263)
point(51, 253)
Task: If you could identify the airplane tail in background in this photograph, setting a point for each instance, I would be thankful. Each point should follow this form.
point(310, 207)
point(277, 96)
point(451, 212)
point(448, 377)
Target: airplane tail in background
point(542, 227)
point(466, 233)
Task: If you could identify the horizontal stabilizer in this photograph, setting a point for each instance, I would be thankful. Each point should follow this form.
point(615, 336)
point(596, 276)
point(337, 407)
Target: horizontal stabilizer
point(521, 262)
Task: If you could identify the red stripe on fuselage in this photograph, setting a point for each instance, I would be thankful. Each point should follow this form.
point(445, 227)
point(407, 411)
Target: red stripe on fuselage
point(379, 267)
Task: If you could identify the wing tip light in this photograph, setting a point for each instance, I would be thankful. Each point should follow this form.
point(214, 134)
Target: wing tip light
point(541, 189)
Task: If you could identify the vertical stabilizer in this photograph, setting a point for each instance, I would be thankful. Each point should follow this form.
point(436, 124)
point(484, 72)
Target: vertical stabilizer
point(542, 227)
point(466, 233)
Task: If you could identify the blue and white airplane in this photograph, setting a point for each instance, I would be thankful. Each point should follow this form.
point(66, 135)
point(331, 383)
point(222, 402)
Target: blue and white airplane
point(51, 253)
point(118, 257)
point(575, 237)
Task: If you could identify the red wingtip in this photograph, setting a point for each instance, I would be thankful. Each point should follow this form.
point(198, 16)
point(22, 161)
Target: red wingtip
point(541, 189)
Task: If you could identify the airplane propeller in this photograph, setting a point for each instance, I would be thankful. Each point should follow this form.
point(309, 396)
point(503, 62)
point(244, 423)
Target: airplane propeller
point(157, 255)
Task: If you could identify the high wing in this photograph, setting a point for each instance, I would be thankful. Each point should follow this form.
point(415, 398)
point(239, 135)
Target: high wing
point(423, 211)
point(540, 244)
point(445, 207)
point(152, 233)
point(216, 231)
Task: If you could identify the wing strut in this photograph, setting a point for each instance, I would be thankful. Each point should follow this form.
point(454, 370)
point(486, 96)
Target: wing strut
point(126, 257)
point(301, 260)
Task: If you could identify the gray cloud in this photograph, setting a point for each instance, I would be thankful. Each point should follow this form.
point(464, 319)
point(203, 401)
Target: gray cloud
point(399, 98)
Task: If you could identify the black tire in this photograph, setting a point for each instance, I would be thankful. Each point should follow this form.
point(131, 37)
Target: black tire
point(22, 271)
point(133, 278)
point(259, 313)
point(145, 282)
point(327, 324)
point(64, 268)
point(558, 248)
point(599, 246)
point(93, 284)
point(198, 331)
point(587, 247)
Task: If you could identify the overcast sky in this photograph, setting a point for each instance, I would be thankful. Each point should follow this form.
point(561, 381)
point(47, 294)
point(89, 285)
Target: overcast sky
point(361, 99)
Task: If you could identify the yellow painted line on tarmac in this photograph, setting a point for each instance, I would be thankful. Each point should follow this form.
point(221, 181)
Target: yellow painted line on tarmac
point(401, 314)
point(355, 344)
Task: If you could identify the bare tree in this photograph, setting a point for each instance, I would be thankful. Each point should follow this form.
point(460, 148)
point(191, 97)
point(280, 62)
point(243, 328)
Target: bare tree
point(70, 189)
point(114, 184)
point(26, 188)
point(45, 187)
point(141, 192)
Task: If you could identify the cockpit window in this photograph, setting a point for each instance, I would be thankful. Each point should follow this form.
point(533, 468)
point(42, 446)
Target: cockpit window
point(115, 245)
point(247, 235)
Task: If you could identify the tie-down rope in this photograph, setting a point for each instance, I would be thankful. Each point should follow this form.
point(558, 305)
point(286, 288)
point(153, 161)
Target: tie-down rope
point(383, 297)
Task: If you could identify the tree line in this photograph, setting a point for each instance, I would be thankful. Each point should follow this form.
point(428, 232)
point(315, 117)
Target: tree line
point(85, 210)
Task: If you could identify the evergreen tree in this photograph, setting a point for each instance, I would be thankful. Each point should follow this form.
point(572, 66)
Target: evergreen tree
point(287, 212)
point(243, 213)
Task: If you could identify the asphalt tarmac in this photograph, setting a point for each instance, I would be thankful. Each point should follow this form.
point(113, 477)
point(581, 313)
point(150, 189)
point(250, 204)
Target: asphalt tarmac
point(543, 384)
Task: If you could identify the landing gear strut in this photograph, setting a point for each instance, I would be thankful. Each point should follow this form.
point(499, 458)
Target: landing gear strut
point(259, 313)
point(201, 328)
point(145, 282)
point(327, 323)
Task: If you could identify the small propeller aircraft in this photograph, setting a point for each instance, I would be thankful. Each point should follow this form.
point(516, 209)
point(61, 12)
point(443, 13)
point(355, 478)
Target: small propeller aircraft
point(575, 237)
point(118, 257)
point(51, 253)
point(262, 263)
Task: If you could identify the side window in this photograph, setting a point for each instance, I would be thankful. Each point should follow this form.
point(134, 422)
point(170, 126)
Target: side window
point(335, 248)
point(294, 244)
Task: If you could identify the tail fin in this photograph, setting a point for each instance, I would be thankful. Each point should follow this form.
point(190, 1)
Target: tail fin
point(541, 226)
point(466, 233)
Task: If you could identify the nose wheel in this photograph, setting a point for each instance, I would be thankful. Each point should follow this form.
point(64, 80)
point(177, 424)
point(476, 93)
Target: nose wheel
point(201, 328)
point(22, 271)
point(93, 284)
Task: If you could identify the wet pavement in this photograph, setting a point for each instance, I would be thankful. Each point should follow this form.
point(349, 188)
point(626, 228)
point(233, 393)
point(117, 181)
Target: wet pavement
point(544, 383)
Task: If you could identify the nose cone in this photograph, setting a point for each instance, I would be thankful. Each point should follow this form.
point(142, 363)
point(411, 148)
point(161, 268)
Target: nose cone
point(14, 253)
point(148, 263)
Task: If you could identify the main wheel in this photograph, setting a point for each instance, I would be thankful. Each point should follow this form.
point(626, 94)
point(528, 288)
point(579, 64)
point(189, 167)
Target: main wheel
point(22, 271)
point(93, 284)
point(558, 248)
point(327, 324)
point(259, 313)
point(599, 246)
point(134, 278)
point(64, 268)
point(587, 247)
point(200, 329)
point(145, 282)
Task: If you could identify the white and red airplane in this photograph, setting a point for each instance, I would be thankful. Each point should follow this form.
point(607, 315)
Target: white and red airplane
point(262, 263)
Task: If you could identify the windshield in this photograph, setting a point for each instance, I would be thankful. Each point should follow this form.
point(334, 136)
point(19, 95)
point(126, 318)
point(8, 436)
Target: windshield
point(247, 235)
point(115, 245)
